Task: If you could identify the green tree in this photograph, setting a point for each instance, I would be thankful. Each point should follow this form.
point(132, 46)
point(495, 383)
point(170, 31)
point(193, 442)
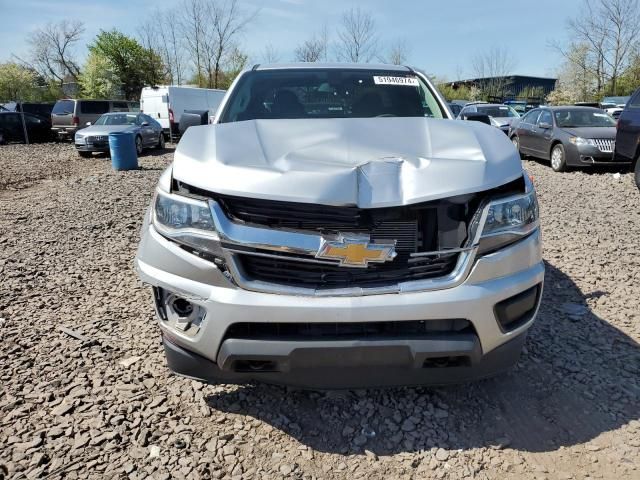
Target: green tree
point(134, 65)
point(17, 82)
point(99, 78)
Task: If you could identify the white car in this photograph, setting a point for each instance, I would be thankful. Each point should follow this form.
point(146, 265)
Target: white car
point(335, 228)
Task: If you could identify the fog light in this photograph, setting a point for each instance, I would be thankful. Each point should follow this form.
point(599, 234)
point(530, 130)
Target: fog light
point(182, 307)
point(178, 312)
point(517, 310)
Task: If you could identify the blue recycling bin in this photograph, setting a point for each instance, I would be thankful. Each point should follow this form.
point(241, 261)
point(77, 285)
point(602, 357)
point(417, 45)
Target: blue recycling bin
point(122, 146)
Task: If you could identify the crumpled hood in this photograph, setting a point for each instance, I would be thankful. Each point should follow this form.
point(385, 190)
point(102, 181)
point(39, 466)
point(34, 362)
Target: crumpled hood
point(368, 162)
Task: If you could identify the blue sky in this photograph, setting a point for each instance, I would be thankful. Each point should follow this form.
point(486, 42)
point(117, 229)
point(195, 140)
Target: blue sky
point(443, 35)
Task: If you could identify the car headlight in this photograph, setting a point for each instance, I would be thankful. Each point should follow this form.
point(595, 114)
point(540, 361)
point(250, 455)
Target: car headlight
point(186, 221)
point(508, 220)
point(582, 141)
point(79, 137)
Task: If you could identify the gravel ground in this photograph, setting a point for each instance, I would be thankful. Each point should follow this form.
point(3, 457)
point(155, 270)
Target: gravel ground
point(104, 405)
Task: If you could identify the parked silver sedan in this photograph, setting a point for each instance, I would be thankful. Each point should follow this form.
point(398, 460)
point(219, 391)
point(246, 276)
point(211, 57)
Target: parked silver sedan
point(95, 138)
point(501, 116)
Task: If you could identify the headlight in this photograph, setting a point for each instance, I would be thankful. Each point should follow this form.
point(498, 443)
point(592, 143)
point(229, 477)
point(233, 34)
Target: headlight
point(582, 141)
point(185, 220)
point(79, 137)
point(508, 220)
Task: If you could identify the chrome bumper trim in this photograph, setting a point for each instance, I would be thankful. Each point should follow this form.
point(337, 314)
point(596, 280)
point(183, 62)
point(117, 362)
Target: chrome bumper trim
point(262, 238)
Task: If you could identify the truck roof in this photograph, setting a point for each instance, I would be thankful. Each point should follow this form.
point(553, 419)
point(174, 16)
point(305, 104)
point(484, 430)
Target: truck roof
point(318, 65)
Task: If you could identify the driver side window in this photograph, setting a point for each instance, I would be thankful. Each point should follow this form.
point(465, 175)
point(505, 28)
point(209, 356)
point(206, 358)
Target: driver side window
point(545, 117)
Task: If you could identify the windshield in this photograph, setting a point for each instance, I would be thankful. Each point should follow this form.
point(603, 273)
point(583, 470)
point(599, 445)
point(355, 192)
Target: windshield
point(122, 119)
point(63, 106)
point(583, 118)
point(498, 111)
point(615, 100)
point(330, 93)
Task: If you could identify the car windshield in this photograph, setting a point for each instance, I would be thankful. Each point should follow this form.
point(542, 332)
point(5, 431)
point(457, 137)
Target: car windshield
point(498, 111)
point(63, 106)
point(330, 93)
point(583, 118)
point(120, 119)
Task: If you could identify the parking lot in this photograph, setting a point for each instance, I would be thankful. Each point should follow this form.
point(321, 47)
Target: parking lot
point(85, 392)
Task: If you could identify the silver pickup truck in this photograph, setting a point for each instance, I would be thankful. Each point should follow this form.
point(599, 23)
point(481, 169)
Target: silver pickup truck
point(336, 228)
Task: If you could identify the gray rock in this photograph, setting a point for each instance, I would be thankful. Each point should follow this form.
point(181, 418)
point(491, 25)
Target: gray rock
point(441, 455)
point(408, 425)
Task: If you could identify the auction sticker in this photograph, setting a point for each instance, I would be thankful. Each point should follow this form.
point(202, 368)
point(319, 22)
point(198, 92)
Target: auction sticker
point(405, 81)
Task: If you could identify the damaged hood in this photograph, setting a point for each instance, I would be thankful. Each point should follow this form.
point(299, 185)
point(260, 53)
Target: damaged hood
point(367, 162)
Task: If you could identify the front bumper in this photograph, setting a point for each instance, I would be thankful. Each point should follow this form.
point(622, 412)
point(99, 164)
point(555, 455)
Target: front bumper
point(585, 155)
point(394, 365)
point(88, 147)
point(65, 132)
point(210, 356)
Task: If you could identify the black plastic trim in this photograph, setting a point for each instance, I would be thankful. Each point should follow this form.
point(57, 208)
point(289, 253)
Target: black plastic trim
point(323, 367)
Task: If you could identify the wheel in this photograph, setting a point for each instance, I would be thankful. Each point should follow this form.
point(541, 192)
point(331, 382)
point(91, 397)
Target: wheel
point(85, 154)
point(139, 145)
point(636, 173)
point(558, 159)
point(160, 144)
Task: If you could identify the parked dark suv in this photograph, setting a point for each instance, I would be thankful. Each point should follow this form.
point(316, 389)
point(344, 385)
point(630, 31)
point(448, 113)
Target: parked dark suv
point(12, 128)
point(628, 135)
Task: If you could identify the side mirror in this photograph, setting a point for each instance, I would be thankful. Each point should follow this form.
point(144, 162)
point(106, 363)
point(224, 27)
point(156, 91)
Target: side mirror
point(544, 125)
point(145, 124)
point(477, 117)
point(88, 124)
point(191, 118)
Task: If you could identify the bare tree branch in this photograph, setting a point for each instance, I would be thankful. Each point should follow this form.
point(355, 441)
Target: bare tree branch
point(228, 23)
point(270, 54)
point(357, 37)
point(611, 31)
point(493, 65)
point(398, 52)
point(314, 49)
point(52, 49)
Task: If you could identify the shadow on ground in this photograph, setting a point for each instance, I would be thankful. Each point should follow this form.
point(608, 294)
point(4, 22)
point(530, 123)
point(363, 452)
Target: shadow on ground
point(577, 378)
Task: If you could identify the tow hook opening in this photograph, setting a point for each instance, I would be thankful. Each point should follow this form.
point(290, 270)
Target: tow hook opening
point(447, 362)
point(255, 366)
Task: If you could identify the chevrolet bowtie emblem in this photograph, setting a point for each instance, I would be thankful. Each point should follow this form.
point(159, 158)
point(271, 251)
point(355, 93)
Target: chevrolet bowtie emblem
point(356, 251)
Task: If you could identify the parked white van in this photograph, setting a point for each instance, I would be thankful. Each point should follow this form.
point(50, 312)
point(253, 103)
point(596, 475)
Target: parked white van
point(165, 104)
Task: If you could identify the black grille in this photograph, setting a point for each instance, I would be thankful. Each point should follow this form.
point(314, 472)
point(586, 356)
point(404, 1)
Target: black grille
point(304, 216)
point(344, 331)
point(320, 276)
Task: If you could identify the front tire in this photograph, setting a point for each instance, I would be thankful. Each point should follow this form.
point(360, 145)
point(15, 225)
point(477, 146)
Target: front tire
point(160, 145)
point(139, 145)
point(558, 158)
point(636, 173)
